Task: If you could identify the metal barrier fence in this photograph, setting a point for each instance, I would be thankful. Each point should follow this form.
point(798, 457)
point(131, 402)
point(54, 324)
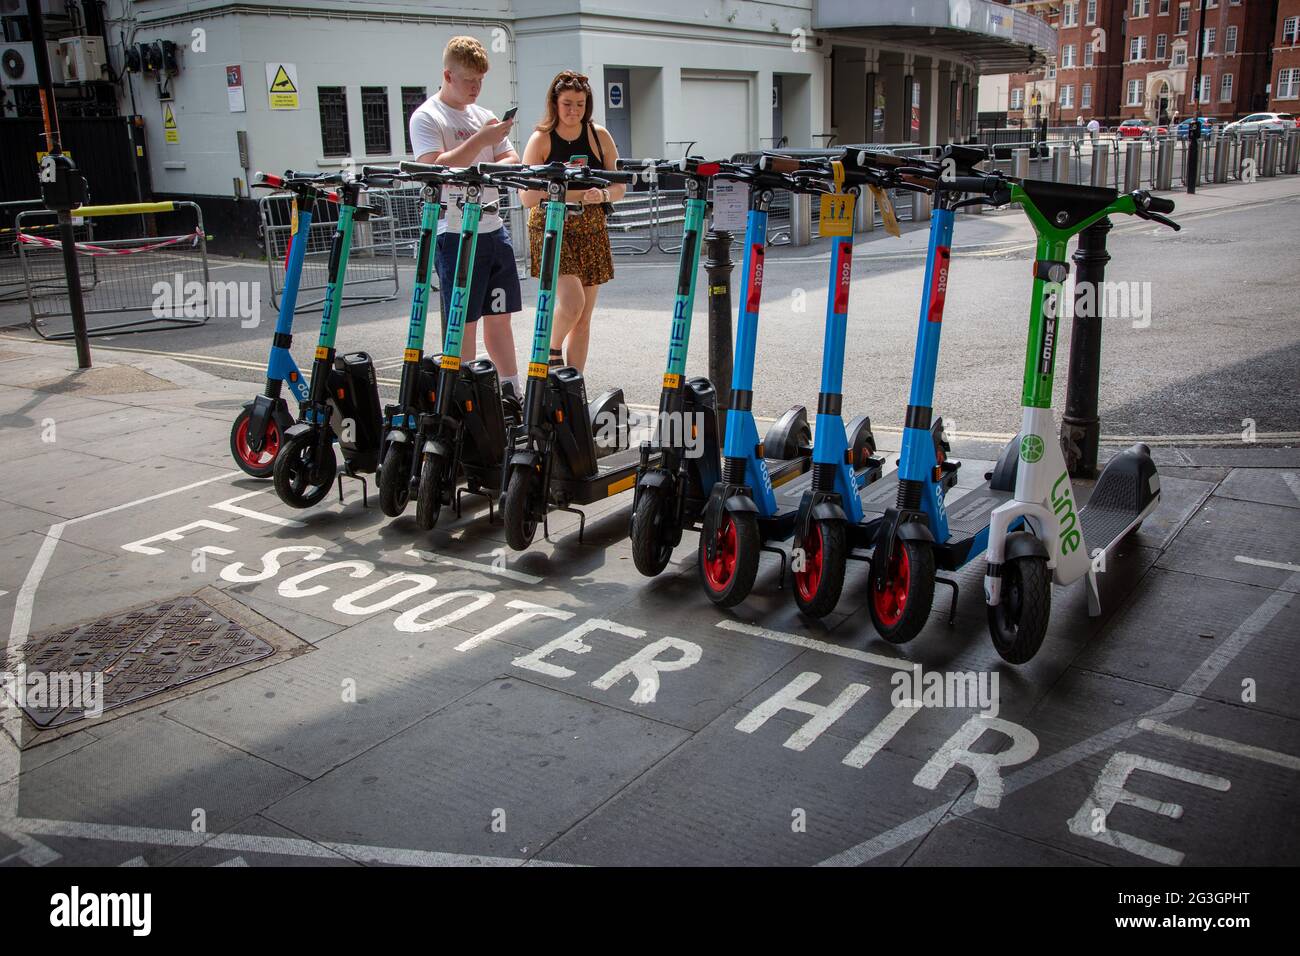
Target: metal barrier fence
point(372, 263)
point(166, 276)
point(45, 281)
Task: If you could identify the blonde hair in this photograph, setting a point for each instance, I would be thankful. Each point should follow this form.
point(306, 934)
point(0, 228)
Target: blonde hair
point(465, 52)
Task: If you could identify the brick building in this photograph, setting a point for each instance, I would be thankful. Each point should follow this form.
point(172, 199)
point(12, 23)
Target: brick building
point(1032, 96)
point(1160, 59)
point(1285, 94)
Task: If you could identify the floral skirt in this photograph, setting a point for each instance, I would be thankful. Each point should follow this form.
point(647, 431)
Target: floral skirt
point(585, 250)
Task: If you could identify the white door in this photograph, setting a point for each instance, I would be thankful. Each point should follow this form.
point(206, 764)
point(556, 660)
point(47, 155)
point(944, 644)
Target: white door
point(716, 114)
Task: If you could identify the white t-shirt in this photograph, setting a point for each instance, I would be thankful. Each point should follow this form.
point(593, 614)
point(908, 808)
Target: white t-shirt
point(1094, 126)
point(437, 127)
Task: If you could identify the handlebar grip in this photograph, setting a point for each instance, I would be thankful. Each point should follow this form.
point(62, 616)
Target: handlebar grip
point(615, 175)
point(986, 185)
point(778, 164)
point(635, 165)
point(500, 167)
point(267, 179)
point(407, 166)
point(1156, 204)
point(380, 171)
point(307, 174)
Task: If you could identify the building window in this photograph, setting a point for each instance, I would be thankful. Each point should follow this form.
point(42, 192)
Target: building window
point(1225, 88)
point(1051, 71)
point(1141, 8)
point(1085, 96)
point(1137, 48)
point(374, 120)
point(1184, 14)
point(1290, 27)
point(1067, 95)
point(1087, 54)
point(1134, 93)
point(1017, 99)
point(1230, 40)
point(1090, 12)
point(1070, 14)
point(1164, 7)
point(1210, 34)
point(412, 98)
point(1206, 85)
point(333, 104)
point(1162, 46)
point(1180, 55)
point(1067, 56)
point(1288, 84)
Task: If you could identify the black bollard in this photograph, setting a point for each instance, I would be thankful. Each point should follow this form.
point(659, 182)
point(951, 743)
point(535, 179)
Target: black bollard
point(718, 266)
point(1081, 426)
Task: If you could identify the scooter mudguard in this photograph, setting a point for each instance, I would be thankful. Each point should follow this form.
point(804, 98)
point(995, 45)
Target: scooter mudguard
point(1024, 546)
point(828, 510)
point(262, 411)
point(436, 446)
point(525, 459)
point(724, 498)
point(657, 478)
point(301, 428)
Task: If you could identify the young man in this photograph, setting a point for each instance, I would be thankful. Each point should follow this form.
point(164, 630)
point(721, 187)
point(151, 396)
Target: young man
point(452, 129)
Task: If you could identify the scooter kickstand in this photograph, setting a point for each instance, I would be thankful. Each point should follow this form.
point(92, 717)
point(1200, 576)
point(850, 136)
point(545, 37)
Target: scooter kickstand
point(582, 520)
point(780, 582)
point(952, 610)
point(365, 497)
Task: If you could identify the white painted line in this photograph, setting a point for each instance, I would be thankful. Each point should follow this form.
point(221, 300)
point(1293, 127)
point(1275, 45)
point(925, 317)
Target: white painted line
point(1181, 700)
point(812, 644)
point(230, 506)
point(1292, 482)
point(1262, 754)
point(1261, 563)
point(475, 566)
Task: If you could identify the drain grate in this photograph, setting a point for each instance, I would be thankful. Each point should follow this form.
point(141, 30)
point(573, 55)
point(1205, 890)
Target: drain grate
point(139, 653)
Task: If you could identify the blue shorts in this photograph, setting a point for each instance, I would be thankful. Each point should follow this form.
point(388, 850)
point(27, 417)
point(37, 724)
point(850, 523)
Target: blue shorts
point(494, 285)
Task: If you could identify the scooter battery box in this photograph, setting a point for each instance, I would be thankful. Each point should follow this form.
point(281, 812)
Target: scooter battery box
point(701, 408)
point(356, 399)
point(567, 404)
point(480, 400)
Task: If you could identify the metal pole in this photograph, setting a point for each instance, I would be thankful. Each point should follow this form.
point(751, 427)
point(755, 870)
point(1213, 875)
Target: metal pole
point(717, 267)
point(60, 182)
point(1081, 426)
point(1194, 131)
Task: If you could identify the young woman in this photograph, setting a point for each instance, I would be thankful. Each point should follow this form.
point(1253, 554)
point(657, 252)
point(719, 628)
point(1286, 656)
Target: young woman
point(567, 134)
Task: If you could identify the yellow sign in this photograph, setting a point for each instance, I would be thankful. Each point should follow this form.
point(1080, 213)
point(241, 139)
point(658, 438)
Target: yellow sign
point(836, 214)
point(322, 353)
point(411, 355)
point(538, 369)
point(451, 363)
point(282, 86)
point(40, 156)
point(672, 381)
point(886, 211)
point(170, 131)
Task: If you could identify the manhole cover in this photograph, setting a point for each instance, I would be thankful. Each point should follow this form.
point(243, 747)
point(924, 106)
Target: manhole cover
point(136, 654)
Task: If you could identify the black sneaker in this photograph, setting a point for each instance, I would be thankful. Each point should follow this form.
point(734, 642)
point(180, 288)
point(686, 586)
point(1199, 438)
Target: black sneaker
point(511, 406)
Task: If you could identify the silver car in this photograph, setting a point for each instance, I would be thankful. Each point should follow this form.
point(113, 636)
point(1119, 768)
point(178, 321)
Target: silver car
point(1262, 122)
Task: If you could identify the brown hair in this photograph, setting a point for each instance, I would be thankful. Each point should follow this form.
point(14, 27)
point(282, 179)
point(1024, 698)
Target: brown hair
point(566, 81)
point(465, 52)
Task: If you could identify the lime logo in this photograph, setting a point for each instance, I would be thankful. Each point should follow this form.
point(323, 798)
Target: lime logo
point(1031, 449)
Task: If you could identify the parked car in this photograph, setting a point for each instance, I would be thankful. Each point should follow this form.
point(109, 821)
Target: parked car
point(1183, 129)
point(1262, 122)
point(1135, 128)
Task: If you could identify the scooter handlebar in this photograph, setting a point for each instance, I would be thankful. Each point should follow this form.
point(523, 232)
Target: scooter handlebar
point(1156, 204)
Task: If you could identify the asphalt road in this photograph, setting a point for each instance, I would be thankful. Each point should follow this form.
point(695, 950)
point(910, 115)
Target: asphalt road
point(1219, 344)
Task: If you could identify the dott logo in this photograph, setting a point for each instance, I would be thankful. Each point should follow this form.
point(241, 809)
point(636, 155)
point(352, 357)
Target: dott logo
point(755, 278)
point(939, 286)
point(845, 277)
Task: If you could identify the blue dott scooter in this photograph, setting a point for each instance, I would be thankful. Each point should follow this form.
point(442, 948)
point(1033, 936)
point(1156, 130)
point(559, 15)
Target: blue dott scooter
point(745, 512)
point(258, 430)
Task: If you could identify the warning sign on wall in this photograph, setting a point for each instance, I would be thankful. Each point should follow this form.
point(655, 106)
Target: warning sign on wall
point(282, 86)
point(170, 132)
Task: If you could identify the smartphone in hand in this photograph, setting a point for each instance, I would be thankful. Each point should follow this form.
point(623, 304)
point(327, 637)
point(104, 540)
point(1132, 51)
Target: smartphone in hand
point(510, 114)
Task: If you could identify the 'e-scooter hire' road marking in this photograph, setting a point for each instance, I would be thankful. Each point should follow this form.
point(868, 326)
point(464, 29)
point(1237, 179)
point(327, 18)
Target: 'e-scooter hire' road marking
point(1261, 563)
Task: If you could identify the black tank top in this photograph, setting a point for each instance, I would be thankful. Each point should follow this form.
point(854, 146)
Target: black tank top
point(582, 151)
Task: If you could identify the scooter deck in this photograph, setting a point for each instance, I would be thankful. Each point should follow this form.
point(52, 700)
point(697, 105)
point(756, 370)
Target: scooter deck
point(968, 521)
point(789, 497)
point(615, 473)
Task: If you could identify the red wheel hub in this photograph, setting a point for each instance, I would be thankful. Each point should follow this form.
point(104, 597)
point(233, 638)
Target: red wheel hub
point(718, 571)
point(270, 445)
point(810, 578)
point(890, 597)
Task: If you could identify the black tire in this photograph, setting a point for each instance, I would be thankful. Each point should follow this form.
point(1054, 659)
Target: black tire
point(818, 587)
point(259, 464)
point(901, 590)
point(1018, 622)
point(650, 551)
point(395, 479)
point(428, 494)
point(519, 510)
point(730, 577)
point(293, 480)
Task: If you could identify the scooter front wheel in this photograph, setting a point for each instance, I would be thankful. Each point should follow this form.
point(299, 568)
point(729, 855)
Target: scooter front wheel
point(428, 496)
point(395, 480)
point(818, 586)
point(901, 589)
point(650, 551)
point(1018, 622)
point(729, 575)
point(300, 480)
point(259, 464)
point(520, 511)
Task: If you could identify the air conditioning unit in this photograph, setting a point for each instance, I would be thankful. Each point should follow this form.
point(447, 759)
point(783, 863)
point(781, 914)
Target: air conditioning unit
point(83, 59)
point(18, 63)
point(51, 9)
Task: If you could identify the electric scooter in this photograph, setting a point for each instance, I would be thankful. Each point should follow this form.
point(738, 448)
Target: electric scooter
point(448, 421)
point(343, 402)
point(679, 468)
point(556, 461)
point(1058, 536)
point(744, 512)
point(257, 431)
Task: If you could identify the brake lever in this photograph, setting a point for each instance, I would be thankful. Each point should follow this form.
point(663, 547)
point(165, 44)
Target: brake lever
point(1164, 221)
